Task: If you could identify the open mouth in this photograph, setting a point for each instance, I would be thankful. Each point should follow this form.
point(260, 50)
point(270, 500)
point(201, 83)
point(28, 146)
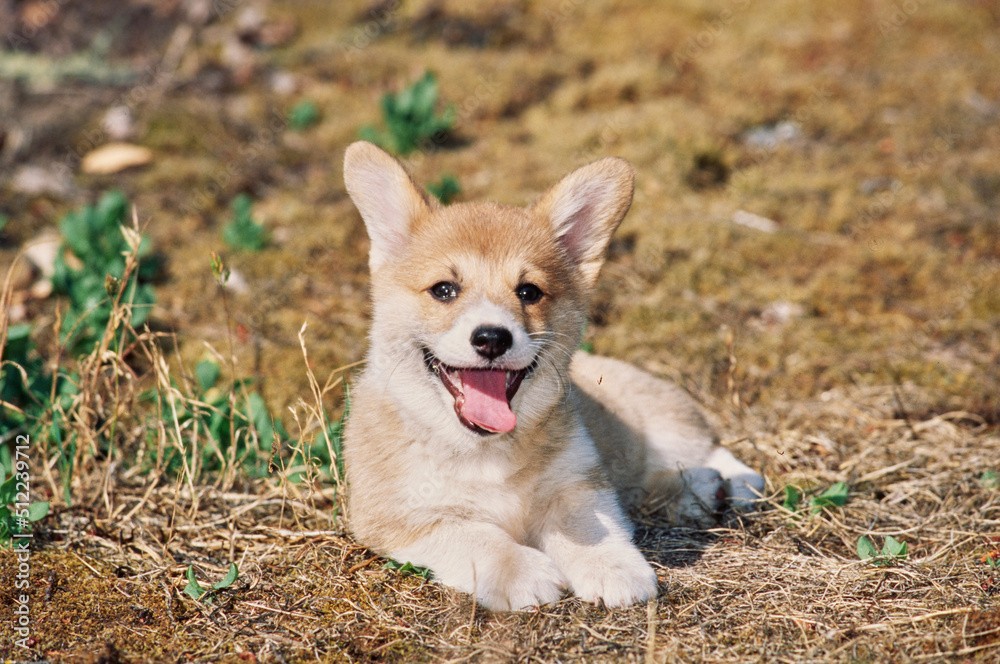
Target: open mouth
point(482, 396)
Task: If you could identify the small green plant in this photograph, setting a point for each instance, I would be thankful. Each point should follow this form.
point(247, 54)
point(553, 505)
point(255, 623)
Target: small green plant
point(303, 115)
point(232, 423)
point(989, 480)
point(242, 232)
point(327, 443)
point(835, 496)
point(445, 189)
point(408, 569)
point(892, 551)
point(793, 496)
point(99, 242)
point(25, 385)
point(104, 269)
point(16, 513)
point(410, 118)
point(196, 592)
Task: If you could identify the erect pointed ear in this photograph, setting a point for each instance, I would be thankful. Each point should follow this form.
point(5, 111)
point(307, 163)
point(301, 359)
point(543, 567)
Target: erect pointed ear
point(585, 208)
point(386, 197)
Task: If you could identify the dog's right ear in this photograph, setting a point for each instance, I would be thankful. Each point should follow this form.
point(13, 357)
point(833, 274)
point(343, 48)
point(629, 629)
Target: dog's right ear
point(386, 197)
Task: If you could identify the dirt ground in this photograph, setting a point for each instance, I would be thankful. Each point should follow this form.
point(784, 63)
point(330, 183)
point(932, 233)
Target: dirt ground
point(813, 253)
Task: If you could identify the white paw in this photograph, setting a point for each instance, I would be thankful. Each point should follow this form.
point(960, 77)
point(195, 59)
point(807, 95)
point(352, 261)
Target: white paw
point(743, 486)
point(745, 491)
point(520, 579)
point(618, 575)
point(705, 491)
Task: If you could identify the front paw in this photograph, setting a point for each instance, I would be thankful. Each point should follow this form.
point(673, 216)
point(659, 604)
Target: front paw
point(521, 579)
point(618, 575)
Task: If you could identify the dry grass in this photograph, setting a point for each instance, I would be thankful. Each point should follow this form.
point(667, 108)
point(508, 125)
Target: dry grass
point(854, 339)
point(780, 585)
point(775, 587)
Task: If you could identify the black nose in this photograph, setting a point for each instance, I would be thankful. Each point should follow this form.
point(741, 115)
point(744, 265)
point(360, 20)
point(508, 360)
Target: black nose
point(491, 341)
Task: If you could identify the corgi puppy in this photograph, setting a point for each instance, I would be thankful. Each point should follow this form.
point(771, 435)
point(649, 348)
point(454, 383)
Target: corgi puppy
point(480, 443)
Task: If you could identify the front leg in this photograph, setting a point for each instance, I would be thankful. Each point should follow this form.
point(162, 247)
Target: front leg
point(589, 537)
point(484, 560)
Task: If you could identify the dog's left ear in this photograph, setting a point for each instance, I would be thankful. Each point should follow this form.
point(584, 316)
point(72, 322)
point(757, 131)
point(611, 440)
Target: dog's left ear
point(586, 207)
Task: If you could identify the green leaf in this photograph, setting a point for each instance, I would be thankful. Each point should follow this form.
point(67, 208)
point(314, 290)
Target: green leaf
point(370, 134)
point(73, 228)
point(894, 548)
point(112, 209)
point(261, 418)
point(410, 117)
point(207, 373)
point(242, 206)
point(866, 550)
point(6, 525)
point(193, 588)
point(835, 496)
point(989, 480)
point(37, 511)
point(229, 579)
point(243, 233)
point(407, 569)
point(8, 491)
point(445, 189)
point(424, 95)
point(217, 427)
point(792, 498)
point(303, 115)
point(18, 343)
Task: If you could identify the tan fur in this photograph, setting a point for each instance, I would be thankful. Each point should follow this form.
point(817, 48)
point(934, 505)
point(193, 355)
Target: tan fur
point(513, 517)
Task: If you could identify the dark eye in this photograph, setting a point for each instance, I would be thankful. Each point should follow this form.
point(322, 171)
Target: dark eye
point(444, 291)
point(529, 293)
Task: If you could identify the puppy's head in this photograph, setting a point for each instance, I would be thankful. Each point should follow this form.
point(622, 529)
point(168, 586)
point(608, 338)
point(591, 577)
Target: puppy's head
point(478, 307)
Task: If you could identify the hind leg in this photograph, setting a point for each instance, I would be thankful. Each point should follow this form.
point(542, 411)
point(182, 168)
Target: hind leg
point(698, 487)
point(655, 443)
point(686, 495)
point(743, 485)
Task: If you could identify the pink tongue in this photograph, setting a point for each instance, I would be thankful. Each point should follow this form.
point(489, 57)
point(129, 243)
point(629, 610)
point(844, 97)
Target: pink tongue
point(485, 402)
